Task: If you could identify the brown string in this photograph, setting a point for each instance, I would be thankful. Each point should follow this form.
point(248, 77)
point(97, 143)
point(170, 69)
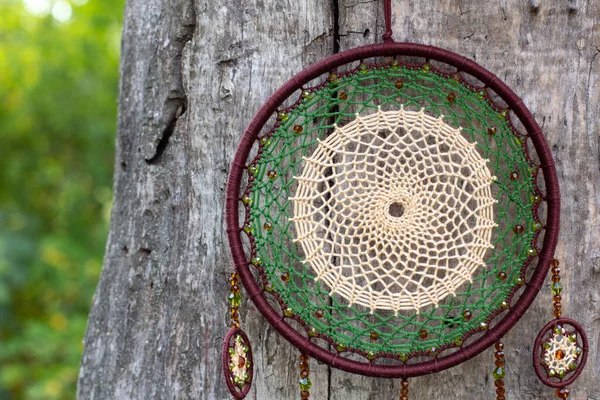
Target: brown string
point(387, 11)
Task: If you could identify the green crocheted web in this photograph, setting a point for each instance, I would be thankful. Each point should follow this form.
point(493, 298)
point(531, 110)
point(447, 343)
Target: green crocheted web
point(337, 100)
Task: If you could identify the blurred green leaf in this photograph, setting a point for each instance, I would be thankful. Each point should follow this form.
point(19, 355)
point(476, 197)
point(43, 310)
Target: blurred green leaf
point(58, 89)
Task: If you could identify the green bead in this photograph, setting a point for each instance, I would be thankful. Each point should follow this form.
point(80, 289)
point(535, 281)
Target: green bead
point(535, 198)
point(363, 68)
point(573, 337)
point(288, 312)
point(269, 287)
point(312, 332)
point(504, 305)
point(246, 200)
point(578, 350)
point(340, 347)
point(370, 355)
point(307, 94)
point(531, 252)
point(572, 366)
point(498, 373)
point(561, 374)
point(403, 357)
point(283, 115)
point(520, 140)
point(256, 260)
point(231, 351)
point(395, 64)
point(537, 226)
point(231, 366)
point(235, 299)
point(253, 169)
point(245, 348)
point(333, 78)
point(247, 228)
point(483, 325)
point(556, 288)
point(481, 93)
point(519, 281)
point(265, 141)
point(546, 346)
point(426, 67)
point(551, 372)
point(559, 330)
point(433, 351)
point(305, 384)
point(503, 114)
point(458, 342)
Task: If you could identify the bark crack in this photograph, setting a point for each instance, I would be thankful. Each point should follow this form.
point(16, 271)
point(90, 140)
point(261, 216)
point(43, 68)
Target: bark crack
point(175, 105)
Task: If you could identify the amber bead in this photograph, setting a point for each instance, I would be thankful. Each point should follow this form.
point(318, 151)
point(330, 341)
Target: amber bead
point(451, 97)
point(558, 298)
point(514, 176)
point(399, 84)
point(285, 276)
point(492, 130)
point(500, 390)
point(272, 174)
point(234, 314)
point(499, 354)
point(319, 313)
point(343, 96)
point(267, 226)
point(518, 229)
point(562, 393)
point(403, 397)
point(423, 333)
point(304, 373)
point(404, 392)
point(500, 397)
point(303, 358)
point(499, 346)
point(499, 383)
point(235, 289)
point(467, 315)
point(233, 281)
point(555, 263)
point(559, 354)
point(304, 395)
point(374, 336)
point(298, 129)
point(555, 270)
point(404, 383)
point(555, 278)
point(502, 276)
point(499, 363)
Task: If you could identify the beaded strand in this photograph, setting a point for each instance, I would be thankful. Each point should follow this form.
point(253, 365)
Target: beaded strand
point(499, 371)
point(304, 381)
point(404, 390)
point(235, 299)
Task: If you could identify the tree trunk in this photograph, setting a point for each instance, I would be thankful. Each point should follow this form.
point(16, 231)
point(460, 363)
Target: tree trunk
point(194, 72)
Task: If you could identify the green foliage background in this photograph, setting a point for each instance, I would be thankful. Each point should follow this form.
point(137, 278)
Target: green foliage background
point(58, 89)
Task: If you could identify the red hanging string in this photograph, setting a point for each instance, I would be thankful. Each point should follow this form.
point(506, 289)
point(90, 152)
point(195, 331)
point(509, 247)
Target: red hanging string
point(387, 10)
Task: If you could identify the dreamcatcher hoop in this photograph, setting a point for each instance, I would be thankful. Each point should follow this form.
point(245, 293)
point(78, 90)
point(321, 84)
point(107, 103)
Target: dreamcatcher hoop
point(545, 255)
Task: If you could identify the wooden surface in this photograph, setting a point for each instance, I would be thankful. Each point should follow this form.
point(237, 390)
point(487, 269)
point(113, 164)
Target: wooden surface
point(193, 74)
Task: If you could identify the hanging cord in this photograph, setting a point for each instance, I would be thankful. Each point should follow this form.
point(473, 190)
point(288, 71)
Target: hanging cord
point(387, 11)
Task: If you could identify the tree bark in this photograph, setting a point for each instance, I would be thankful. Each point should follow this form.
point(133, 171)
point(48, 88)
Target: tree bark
point(194, 72)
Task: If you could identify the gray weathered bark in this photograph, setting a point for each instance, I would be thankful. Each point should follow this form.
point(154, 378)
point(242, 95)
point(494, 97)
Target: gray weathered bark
point(193, 72)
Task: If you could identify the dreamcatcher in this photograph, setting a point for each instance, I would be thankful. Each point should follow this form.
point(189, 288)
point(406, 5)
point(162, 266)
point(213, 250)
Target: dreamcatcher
point(392, 211)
